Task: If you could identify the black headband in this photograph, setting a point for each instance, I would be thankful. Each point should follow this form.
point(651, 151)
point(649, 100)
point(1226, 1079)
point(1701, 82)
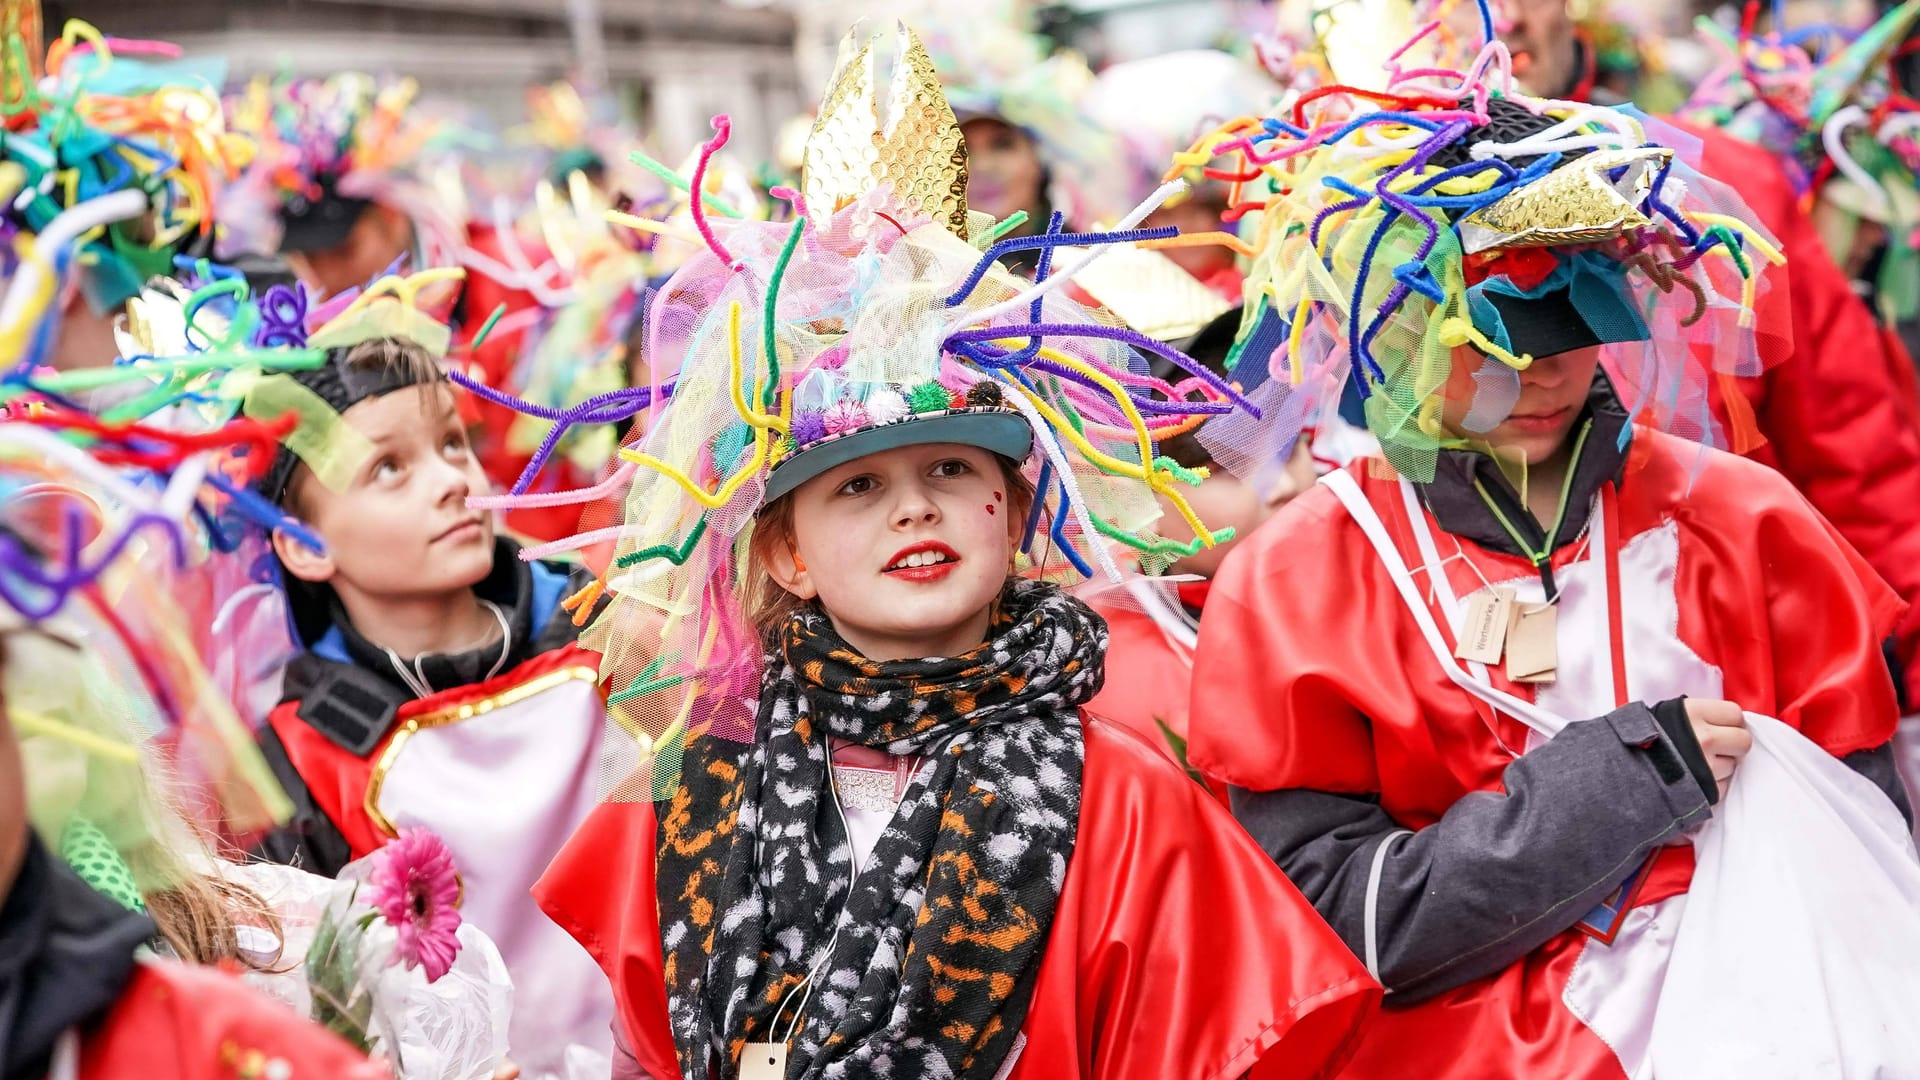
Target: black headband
point(341, 386)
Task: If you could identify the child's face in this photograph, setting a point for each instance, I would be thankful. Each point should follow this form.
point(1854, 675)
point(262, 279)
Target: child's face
point(905, 549)
point(380, 235)
point(1003, 168)
point(1553, 389)
point(401, 529)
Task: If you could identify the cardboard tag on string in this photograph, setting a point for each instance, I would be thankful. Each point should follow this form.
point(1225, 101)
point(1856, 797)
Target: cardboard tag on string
point(1483, 632)
point(1533, 649)
point(763, 1061)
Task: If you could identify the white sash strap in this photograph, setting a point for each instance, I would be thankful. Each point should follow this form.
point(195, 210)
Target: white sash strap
point(1351, 497)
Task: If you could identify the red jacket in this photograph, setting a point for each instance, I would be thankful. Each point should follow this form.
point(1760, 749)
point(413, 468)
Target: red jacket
point(1838, 417)
point(1178, 950)
point(1729, 587)
point(174, 1022)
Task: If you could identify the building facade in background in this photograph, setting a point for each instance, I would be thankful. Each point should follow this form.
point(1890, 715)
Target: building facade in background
point(671, 64)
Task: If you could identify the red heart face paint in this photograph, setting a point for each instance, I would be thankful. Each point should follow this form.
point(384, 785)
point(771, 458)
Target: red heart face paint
point(992, 509)
point(997, 497)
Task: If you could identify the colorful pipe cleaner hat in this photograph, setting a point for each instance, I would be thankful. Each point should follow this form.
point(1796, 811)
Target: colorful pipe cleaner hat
point(1449, 209)
point(878, 318)
point(110, 159)
point(1836, 119)
point(581, 347)
point(328, 149)
point(115, 538)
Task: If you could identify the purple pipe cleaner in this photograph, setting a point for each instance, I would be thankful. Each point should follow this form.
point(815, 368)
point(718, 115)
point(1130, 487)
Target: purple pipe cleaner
point(607, 408)
point(20, 563)
point(1113, 333)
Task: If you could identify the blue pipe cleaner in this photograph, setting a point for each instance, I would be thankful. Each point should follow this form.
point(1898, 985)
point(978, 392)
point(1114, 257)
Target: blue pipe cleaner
point(256, 508)
point(1039, 504)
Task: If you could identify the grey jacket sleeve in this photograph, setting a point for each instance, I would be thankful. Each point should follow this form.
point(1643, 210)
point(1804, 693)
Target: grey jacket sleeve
point(1878, 765)
point(1499, 874)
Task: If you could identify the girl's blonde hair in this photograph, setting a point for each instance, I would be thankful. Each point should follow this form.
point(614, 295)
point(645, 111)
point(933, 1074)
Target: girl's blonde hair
point(200, 920)
point(769, 606)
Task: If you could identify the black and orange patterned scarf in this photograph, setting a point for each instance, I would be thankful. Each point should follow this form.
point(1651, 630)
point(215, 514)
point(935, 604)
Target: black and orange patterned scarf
point(935, 960)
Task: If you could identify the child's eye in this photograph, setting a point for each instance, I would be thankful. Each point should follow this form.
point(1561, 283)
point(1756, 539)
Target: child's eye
point(386, 469)
point(951, 468)
point(455, 445)
point(859, 485)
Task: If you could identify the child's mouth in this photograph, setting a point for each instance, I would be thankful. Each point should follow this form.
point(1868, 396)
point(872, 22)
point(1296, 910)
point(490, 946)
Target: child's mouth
point(1541, 422)
point(466, 530)
point(928, 561)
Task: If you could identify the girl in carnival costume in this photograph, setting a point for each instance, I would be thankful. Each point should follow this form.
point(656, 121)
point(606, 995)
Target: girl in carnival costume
point(876, 832)
point(1526, 292)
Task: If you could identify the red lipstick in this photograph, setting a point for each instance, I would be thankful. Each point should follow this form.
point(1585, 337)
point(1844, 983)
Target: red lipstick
point(929, 560)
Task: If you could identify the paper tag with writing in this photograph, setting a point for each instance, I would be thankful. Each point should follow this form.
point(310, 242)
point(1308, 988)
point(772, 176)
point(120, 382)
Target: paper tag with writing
point(1533, 649)
point(1483, 633)
point(764, 1061)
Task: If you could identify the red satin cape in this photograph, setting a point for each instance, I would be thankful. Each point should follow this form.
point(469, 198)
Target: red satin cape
point(1177, 949)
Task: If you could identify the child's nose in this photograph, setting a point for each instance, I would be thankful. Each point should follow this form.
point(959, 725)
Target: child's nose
point(916, 506)
point(452, 481)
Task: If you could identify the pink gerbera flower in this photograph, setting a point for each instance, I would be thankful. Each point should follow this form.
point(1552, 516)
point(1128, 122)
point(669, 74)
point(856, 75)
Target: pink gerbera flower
point(414, 888)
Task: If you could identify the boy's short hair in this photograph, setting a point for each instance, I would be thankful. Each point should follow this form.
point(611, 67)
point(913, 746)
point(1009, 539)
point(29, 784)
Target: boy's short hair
point(350, 375)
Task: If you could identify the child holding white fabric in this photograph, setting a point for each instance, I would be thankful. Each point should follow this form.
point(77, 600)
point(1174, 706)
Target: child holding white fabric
point(1524, 294)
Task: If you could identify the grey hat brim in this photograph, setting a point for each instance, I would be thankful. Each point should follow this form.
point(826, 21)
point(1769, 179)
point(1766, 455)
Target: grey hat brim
point(1003, 432)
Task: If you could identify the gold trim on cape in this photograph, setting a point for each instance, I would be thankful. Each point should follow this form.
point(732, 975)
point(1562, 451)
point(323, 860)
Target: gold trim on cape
point(454, 714)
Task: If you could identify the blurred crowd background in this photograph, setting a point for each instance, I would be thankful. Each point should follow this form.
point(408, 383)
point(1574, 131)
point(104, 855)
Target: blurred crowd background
point(668, 65)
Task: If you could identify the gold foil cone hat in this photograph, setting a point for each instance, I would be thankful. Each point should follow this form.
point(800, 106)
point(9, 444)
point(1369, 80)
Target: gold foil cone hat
point(912, 148)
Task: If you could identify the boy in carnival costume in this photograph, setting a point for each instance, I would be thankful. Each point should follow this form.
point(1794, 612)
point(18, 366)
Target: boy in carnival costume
point(440, 684)
point(877, 833)
point(1525, 291)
